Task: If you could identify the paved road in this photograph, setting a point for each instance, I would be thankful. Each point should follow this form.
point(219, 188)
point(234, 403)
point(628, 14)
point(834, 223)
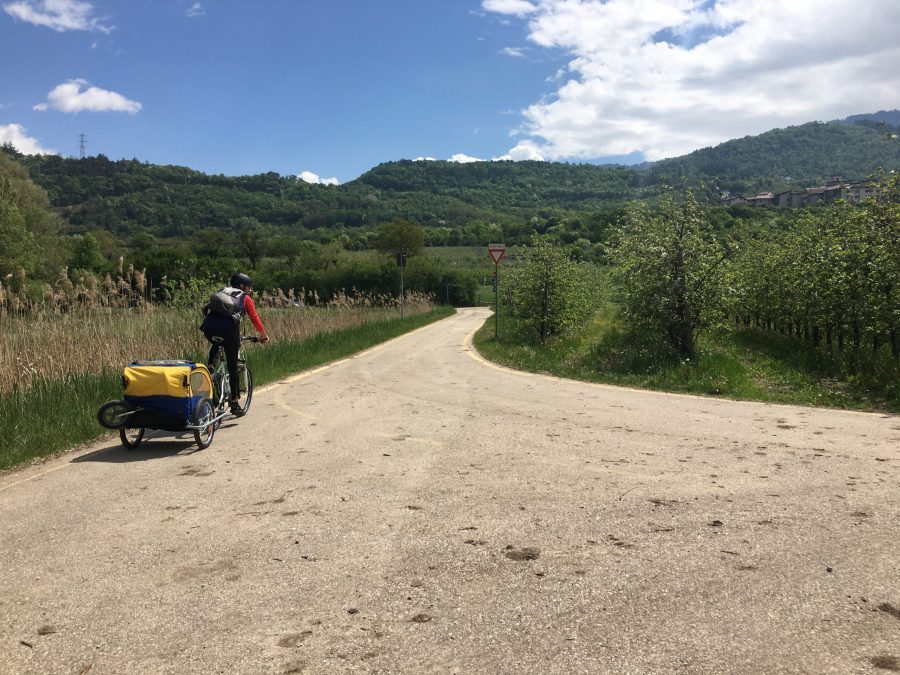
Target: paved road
point(415, 509)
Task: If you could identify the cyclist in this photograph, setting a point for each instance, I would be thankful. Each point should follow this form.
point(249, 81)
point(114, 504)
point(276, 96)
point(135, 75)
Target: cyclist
point(226, 323)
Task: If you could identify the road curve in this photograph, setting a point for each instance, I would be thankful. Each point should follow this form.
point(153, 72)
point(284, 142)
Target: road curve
point(416, 509)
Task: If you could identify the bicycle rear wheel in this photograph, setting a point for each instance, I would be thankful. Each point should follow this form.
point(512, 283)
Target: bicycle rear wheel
point(131, 438)
point(245, 387)
point(219, 375)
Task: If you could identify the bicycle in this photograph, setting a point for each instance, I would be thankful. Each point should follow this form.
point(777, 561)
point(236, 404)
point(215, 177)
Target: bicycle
point(218, 369)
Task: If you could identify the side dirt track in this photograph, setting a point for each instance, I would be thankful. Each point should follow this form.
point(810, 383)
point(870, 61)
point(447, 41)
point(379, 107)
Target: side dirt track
point(416, 509)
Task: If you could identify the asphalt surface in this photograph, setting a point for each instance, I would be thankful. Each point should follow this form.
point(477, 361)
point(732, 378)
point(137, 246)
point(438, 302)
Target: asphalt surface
point(415, 509)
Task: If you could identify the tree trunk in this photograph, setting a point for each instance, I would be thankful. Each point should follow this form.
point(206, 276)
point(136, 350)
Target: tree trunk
point(685, 329)
point(545, 311)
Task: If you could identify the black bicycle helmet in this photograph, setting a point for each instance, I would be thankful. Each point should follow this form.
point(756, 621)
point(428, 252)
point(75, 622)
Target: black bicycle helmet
point(239, 278)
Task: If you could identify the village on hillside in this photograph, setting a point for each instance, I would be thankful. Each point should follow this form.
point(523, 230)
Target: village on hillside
point(833, 190)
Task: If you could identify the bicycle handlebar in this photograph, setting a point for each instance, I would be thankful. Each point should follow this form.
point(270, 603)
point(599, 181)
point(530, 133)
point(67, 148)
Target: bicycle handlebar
point(249, 338)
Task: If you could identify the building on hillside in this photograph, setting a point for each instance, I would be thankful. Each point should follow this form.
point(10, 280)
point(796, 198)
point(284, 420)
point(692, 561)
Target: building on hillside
point(762, 199)
point(814, 195)
point(732, 200)
point(833, 190)
point(857, 191)
point(784, 198)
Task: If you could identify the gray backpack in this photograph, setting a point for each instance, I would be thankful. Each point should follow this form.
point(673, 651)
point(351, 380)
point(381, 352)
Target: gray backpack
point(228, 302)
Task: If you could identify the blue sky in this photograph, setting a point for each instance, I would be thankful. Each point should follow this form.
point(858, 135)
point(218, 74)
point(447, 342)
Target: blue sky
point(332, 89)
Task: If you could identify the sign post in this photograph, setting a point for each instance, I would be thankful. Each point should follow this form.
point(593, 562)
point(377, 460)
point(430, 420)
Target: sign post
point(496, 252)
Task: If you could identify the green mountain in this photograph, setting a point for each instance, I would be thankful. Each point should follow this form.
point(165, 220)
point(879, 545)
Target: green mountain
point(794, 157)
point(508, 185)
point(130, 198)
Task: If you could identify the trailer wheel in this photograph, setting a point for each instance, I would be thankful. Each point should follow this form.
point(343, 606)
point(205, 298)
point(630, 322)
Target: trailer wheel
point(204, 413)
point(113, 414)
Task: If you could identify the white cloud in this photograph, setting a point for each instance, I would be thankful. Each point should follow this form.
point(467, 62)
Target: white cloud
point(69, 98)
point(517, 52)
point(310, 177)
point(524, 150)
point(665, 77)
point(16, 134)
point(464, 159)
point(515, 7)
point(59, 15)
point(195, 10)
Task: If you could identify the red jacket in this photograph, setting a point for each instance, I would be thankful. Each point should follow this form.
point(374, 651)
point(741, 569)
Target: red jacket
point(250, 309)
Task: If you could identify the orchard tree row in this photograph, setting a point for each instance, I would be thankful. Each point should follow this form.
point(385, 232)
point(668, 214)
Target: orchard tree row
point(832, 278)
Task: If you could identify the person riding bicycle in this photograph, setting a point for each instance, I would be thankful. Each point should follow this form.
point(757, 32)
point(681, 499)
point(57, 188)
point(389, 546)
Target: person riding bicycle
point(226, 323)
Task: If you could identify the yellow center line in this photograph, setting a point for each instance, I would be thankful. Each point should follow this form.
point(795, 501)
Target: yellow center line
point(25, 480)
point(411, 439)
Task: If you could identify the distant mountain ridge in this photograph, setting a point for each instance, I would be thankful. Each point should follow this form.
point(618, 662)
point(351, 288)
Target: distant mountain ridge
point(129, 197)
point(891, 117)
point(794, 157)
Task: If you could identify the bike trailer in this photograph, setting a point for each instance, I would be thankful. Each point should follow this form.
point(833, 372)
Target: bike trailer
point(165, 393)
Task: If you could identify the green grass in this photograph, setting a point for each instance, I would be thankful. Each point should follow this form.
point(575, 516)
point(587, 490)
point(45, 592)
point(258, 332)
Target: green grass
point(739, 365)
point(54, 415)
point(485, 295)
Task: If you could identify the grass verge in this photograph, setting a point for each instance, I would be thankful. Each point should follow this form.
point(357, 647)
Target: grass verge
point(736, 365)
point(56, 414)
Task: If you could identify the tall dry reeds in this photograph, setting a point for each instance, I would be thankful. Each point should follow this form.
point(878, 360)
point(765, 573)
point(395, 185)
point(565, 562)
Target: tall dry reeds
point(47, 343)
point(344, 310)
point(67, 294)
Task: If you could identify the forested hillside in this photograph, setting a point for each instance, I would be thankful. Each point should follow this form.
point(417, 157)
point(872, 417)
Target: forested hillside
point(509, 185)
point(173, 221)
point(795, 157)
point(128, 197)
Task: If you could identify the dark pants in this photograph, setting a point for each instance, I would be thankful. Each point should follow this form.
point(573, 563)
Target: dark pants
point(225, 328)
